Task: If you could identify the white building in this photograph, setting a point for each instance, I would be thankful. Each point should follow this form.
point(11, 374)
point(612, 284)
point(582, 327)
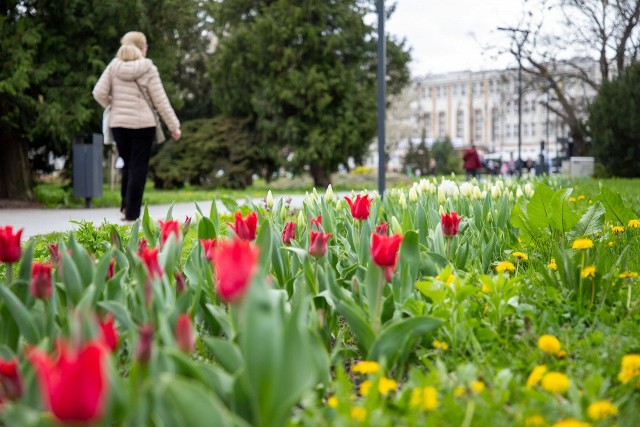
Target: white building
point(482, 108)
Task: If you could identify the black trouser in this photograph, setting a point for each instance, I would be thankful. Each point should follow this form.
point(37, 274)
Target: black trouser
point(134, 146)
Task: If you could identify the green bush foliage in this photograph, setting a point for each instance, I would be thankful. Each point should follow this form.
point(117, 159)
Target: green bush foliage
point(214, 153)
point(615, 127)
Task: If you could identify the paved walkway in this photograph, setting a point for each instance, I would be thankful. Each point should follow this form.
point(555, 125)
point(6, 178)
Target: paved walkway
point(43, 221)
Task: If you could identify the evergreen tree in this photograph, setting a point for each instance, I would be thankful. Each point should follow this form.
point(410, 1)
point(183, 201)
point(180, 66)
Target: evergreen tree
point(304, 73)
point(447, 159)
point(615, 128)
point(53, 53)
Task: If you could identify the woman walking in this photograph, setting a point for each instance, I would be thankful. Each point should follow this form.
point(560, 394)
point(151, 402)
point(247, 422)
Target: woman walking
point(130, 86)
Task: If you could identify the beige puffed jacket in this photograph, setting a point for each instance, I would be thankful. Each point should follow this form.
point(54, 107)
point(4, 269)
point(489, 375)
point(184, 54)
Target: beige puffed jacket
point(129, 109)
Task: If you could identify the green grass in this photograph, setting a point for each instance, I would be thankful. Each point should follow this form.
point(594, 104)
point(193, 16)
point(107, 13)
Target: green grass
point(60, 195)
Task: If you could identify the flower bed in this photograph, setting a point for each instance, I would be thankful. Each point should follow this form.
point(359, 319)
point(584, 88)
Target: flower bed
point(502, 303)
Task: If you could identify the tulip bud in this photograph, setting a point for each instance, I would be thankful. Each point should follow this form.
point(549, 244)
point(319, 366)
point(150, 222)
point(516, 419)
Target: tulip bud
point(308, 199)
point(41, 280)
point(301, 222)
point(528, 189)
point(184, 333)
point(269, 201)
point(496, 192)
point(145, 344)
point(329, 196)
point(477, 194)
point(180, 283)
point(441, 210)
point(186, 225)
point(519, 193)
point(441, 197)
point(413, 195)
point(283, 213)
point(395, 226)
point(403, 201)
point(10, 250)
point(11, 385)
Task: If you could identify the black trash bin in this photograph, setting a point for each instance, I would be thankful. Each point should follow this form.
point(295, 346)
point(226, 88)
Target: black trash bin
point(87, 166)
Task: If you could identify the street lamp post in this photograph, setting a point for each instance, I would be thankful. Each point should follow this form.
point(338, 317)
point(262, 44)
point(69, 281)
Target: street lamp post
point(381, 96)
point(519, 43)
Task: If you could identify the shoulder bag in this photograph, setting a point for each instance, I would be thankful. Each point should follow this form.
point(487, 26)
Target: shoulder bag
point(107, 135)
point(160, 138)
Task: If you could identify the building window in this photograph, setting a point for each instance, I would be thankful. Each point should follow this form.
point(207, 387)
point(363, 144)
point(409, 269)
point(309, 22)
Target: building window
point(427, 125)
point(533, 129)
point(507, 131)
point(460, 124)
point(442, 125)
point(525, 129)
point(495, 131)
point(507, 109)
point(477, 125)
point(525, 106)
point(463, 89)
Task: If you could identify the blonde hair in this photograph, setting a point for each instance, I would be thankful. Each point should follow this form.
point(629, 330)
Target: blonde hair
point(135, 38)
point(129, 52)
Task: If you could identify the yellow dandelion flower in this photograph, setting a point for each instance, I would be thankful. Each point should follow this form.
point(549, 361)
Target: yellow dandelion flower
point(617, 229)
point(572, 199)
point(629, 367)
point(561, 354)
point(581, 197)
point(634, 223)
point(365, 388)
point(366, 367)
point(520, 256)
point(571, 422)
point(358, 414)
point(332, 402)
point(459, 391)
point(549, 344)
point(536, 375)
point(484, 288)
point(609, 244)
point(588, 271)
point(477, 386)
point(555, 382)
point(425, 398)
point(582, 244)
point(505, 266)
point(601, 409)
point(441, 345)
point(535, 421)
point(628, 275)
point(552, 265)
point(387, 385)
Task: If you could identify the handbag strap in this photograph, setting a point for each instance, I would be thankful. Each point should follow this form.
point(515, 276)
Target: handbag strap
point(146, 98)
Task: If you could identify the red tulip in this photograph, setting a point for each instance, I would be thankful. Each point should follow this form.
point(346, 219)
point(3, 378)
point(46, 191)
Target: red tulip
point(450, 224)
point(384, 251)
point(168, 228)
point(359, 206)
point(109, 332)
point(11, 386)
point(317, 221)
point(186, 225)
point(41, 280)
point(208, 245)
point(318, 243)
point(150, 258)
point(142, 245)
point(245, 228)
point(382, 228)
point(235, 262)
point(184, 333)
point(75, 385)
point(10, 250)
point(145, 344)
point(111, 269)
point(54, 253)
point(180, 283)
point(289, 232)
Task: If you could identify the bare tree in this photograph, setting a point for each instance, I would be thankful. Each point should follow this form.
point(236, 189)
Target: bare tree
point(572, 47)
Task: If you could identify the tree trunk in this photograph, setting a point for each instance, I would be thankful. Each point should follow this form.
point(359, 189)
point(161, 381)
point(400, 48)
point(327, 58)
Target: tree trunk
point(15, 172)
point(321, 179)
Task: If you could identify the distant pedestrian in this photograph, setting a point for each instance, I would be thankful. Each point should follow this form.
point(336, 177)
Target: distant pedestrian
point(130, 86)
point(472, 162)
